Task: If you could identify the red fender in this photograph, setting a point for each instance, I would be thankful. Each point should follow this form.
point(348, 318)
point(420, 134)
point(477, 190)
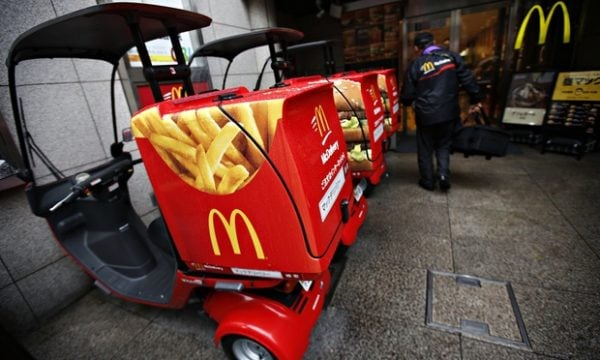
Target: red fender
point(282, 331)
point(356, 220)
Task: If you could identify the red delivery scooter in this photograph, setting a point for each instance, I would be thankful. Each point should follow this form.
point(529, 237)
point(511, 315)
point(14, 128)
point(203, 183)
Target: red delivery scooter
point(253, 188)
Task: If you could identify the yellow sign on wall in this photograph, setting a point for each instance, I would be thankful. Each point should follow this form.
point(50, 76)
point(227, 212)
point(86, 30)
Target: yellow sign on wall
point(577, 86)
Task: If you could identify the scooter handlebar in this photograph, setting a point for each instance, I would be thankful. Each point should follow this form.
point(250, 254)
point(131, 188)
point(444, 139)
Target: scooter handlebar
point(96, 178)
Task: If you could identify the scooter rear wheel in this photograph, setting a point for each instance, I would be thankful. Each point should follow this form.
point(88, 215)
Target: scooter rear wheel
point(242, 348)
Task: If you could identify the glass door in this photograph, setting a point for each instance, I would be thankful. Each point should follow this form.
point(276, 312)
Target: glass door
point(478, 34)
point(481, 35)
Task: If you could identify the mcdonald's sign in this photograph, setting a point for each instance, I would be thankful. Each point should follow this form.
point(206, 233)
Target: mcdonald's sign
point(231, 230)
point(544, 23)
point(177, 92)
point(320, 123)
point(427, 67)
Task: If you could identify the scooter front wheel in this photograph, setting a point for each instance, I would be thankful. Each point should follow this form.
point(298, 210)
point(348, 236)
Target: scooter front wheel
point(242, 348)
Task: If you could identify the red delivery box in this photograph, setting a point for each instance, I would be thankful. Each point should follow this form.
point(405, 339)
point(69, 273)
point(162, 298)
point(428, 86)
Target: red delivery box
point(388, 87)
point(250, 183)
point(357, 96)
point(362, 115)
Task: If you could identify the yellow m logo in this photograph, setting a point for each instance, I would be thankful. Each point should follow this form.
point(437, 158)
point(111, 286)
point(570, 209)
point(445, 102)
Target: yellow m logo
point(427, 67)
point(322, 124)
point(230, 228)
point(544, 23)
point(177, 92)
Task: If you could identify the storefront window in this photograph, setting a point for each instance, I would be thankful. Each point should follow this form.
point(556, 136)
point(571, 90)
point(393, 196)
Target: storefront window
point(480, 45)
point(438, 25)
point(477, 34)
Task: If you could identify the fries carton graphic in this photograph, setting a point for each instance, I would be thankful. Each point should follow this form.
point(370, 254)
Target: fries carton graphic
point(249, 183)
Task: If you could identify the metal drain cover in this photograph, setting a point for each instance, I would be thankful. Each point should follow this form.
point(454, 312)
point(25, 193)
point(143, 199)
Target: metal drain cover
point(479, 308)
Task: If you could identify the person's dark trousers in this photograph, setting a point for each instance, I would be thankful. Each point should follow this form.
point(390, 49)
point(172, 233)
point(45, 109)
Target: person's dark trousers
point(434, 139)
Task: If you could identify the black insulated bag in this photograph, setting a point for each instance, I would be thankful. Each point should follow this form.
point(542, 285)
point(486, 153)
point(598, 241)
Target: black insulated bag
point(480, 139)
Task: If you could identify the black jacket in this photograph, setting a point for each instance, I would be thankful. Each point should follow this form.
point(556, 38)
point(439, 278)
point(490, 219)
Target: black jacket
point(431, 85)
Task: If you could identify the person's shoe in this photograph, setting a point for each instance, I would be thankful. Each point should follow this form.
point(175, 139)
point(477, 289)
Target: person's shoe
point(426, 185)
point(444, 183)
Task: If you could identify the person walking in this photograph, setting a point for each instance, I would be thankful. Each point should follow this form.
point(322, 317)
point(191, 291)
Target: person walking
point(431, 86)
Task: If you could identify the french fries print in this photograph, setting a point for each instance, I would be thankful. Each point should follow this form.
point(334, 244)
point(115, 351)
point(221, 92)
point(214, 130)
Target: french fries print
point(204, 147)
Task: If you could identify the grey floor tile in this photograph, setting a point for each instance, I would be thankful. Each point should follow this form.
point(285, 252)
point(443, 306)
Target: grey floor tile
point(460, 165)
point(63, 282)
point(594, 244)
point(585, 220)
point(29, 245)
point(146, 311)
point(476, 350)
point(563, 324)
point(15, 315)
point(401, 185)
point(342, 334)
point(576, 191)
point(408, 251)
point(521, 224)
point(188, 321)
point(505, 192)
point(393, 194)
point(5, 278)
point(384, 289)
point(158, 342)
point(90, 329)
point(408, 219)
point(567, 265)
point(550, 167)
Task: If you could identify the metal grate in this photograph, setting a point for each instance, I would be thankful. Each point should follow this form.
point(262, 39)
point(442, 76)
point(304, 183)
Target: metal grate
point(479, 308)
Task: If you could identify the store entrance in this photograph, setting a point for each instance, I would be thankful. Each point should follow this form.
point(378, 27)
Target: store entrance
point(477, 34)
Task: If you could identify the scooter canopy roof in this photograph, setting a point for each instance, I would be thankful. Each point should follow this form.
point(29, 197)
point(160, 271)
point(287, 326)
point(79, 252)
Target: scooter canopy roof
point(229, 47)
point(102, 32)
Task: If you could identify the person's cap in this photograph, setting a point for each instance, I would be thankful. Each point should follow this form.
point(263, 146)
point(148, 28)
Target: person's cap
point(423, 39)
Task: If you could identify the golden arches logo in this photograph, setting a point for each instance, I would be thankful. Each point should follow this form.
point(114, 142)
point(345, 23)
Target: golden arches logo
point(427, 67)
point(322, 124)
point(230, 228)
point(544, 23)
point(177, 92)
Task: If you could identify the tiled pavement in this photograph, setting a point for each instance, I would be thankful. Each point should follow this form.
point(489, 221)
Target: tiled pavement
point(530, 219)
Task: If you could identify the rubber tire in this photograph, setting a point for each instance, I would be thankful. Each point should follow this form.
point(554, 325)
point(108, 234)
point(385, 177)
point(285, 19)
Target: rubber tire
point(228, 341)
